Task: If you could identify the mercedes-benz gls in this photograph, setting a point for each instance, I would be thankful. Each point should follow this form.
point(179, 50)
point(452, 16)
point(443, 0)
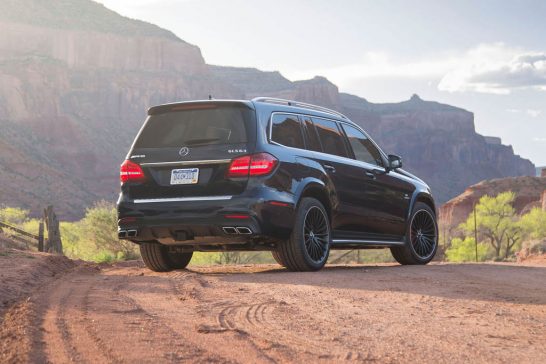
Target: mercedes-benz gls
point(267, 174)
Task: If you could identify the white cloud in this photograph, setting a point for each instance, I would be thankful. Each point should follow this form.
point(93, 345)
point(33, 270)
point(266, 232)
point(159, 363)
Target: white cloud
point(487, 68)
point(533, 113)
point(497, 69)
point(378, 65)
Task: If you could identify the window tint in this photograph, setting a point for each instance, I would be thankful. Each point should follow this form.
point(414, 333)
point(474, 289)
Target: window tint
point(363, 148)
point(313, 142)
point(286, 130)
point(217, 125)
point(330, 137)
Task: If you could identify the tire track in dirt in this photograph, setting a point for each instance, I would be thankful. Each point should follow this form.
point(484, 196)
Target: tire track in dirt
point(187, 291)
point(261, 315)
point(66, 323)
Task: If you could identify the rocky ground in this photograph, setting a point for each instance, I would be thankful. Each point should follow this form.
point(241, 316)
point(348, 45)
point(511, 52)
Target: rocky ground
point(56, 310)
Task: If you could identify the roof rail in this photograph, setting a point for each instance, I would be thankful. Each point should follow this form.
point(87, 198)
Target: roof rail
point(273, 100)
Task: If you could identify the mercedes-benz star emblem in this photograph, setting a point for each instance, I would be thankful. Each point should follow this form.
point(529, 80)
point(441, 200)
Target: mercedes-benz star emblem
point(184, 151)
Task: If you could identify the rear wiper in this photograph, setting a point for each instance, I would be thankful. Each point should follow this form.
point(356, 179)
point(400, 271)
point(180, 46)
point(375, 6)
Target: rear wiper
point(200, 141)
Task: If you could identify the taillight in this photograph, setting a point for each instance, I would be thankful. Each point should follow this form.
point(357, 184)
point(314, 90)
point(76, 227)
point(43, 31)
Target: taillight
point(131, 172)
point(259, 164)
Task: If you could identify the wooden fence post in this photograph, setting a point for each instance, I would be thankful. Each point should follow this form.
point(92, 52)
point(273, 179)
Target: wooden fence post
point(54, 243)
point(41, 237)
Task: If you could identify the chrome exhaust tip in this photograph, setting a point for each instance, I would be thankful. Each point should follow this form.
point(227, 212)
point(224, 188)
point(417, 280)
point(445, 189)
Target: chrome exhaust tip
point(122, 234)
point(243, 230)
point(132, 233)
point(229, 230)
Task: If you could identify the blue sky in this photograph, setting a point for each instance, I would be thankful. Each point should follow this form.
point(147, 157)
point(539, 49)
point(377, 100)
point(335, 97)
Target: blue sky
point(486, 56)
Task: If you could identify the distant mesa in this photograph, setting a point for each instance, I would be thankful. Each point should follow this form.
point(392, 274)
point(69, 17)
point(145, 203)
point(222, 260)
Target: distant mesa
point(75, 92)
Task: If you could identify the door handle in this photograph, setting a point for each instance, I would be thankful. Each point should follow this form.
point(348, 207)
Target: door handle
point(370, 174)
point(330, 168)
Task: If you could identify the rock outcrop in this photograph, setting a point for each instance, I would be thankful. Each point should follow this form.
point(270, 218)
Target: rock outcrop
point(76, 80)
point(530, 192)
point(438, 142)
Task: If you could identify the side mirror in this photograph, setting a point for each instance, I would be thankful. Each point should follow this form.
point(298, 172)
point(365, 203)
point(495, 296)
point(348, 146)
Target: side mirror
point(394, 162)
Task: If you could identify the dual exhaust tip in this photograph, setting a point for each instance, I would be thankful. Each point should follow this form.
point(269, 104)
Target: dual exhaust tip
point(123, 234)
point(239, 230)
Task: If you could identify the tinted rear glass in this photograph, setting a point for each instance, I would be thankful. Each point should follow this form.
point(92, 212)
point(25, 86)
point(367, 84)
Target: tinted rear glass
point(217, 125)
point(331, 139)
point(286, 130)
point(313, 142)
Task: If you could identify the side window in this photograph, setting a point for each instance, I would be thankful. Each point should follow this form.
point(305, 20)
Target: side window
point(363, 148)
point(286, 130)
point(313, 142)
point(330, 137)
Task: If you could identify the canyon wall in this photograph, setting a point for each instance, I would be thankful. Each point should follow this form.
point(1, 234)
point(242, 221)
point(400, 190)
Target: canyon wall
point(76, 80)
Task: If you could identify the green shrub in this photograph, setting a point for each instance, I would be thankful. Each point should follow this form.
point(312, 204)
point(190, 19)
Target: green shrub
point(465, 251)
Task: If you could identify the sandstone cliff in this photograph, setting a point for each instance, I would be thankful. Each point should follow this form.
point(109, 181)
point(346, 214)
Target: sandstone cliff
point(76, 80)
point(530, 192)
point(438, 142)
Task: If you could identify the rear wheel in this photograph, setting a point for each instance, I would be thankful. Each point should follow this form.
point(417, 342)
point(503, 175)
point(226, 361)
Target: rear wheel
point(277, 258)
point(158, 258)
point(421, 237)
point(309, 244)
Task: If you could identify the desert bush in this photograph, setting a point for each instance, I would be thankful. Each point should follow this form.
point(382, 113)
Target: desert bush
point(13, 215)
point(464, 250)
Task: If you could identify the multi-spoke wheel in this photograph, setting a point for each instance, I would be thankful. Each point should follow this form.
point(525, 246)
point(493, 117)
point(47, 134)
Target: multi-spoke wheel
point(422, 237)
point(423, 234)
point(316, 234)
point(309, 244)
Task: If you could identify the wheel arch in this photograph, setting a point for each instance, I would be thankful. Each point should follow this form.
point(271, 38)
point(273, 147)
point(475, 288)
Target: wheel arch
point(426, 199)
point(317, 190)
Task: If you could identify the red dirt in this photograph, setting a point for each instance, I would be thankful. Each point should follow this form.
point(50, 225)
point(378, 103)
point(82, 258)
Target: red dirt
point(261, 313)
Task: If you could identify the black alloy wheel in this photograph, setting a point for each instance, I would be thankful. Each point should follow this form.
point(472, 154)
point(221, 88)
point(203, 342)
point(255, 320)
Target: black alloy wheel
point(421, 237)
point(316, 234)
point(423, 234)
point(308, 247)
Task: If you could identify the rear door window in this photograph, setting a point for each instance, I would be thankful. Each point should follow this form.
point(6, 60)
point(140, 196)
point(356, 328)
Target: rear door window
point(196, 127)
point(313, 141)
point(286, 130)
point(363, 147)
point(330, 137)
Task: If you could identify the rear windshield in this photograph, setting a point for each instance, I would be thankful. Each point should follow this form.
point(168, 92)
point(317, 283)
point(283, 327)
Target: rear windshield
point(214, 125)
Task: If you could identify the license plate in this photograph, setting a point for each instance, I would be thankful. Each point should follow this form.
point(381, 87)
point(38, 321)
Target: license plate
point(186, 176)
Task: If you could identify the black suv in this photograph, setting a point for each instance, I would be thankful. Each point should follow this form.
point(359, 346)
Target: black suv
point(267, 174)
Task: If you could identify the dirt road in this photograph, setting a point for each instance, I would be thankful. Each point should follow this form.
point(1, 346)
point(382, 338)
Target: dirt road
point(438, 313)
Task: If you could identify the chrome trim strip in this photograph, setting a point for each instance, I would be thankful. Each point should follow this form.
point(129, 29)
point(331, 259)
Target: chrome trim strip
point(187, 163)
point(367, 242)
point(184, 199)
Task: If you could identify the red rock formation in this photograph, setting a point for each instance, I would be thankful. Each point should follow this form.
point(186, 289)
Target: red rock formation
point(529, 192)
point(73, 95)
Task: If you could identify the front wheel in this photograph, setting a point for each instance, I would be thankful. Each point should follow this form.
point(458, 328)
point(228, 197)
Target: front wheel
point(421, 237)
point(158, 258)
point(309, 244)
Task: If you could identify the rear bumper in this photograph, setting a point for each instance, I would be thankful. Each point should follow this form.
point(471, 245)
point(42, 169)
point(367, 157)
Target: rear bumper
point(213, 220)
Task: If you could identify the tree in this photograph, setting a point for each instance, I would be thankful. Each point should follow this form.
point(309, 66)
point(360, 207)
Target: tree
point(533, 224)
point(99, 226)
point(495, 217)
point(465, 250)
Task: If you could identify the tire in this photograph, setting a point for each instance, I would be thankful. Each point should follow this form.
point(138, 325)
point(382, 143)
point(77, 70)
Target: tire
point(158, 258)
point(308, 247)
point(278, 258)
point(421, 237)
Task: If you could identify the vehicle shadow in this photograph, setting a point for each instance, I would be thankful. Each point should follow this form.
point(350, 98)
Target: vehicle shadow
point(488, 282)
